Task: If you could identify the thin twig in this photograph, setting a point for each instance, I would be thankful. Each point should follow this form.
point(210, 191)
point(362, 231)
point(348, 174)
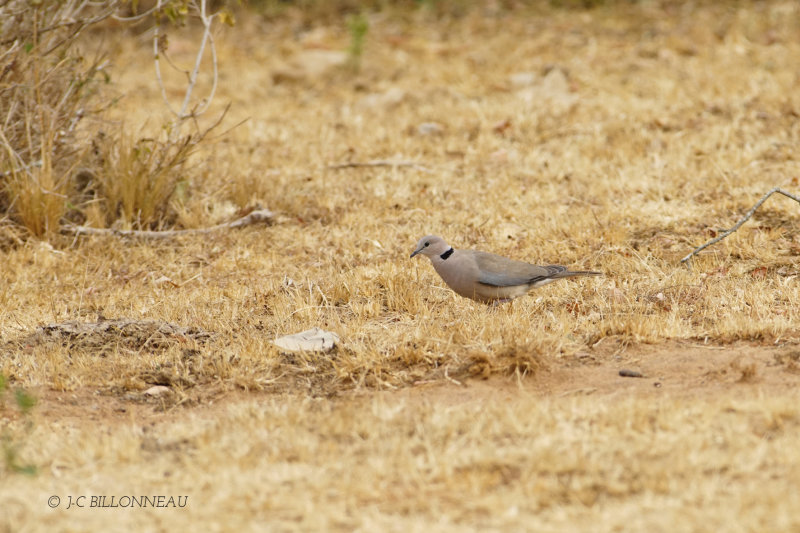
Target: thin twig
point(82, 25)
point(378, 163)
point(206, 20)
point(74, 20)
point(448, 378)
point(140, 16)
point(259, 216)
point(199, 110)
point(183, 113)
point(742, 221)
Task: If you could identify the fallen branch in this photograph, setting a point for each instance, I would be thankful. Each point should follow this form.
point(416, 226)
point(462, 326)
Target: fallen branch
point(256, 217)
point(378, 163)
point(742, 221)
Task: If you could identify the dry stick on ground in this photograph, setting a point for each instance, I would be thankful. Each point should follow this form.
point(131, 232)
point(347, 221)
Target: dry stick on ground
point(356, 164)
point(742, 221)
point(378, 163)
point(260, 215)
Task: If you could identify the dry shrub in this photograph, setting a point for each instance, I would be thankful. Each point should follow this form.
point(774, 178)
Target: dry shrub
point(46, 88)
point(52, 168)
point(139, 178)
point(37, 199)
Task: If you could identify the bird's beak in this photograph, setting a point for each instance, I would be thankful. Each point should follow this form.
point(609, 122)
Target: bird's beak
point(416, 252)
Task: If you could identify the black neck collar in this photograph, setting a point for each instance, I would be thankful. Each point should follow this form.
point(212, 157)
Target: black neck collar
point(447, 254)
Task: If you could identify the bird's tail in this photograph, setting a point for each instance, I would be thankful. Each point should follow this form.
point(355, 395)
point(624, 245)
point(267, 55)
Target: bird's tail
point(571, 273)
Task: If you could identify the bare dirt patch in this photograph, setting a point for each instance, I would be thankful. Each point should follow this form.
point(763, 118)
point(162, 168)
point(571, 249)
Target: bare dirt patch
point(677, 368)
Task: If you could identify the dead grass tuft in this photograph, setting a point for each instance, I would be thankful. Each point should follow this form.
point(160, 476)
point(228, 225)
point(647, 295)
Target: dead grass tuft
point(749, 372)
point(139, 178)
point(524, 360)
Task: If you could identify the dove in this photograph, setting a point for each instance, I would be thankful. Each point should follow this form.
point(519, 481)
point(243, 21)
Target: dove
point(487, 277)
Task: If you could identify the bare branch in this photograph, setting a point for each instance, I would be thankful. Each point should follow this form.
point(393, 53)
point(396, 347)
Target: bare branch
point(81, 25)
point(207, 39)
point(742, 221)
point(206, 20)
point(378, 163)
point(140, 16)
point(259, 216)
point(75, 21)
point(215, 76)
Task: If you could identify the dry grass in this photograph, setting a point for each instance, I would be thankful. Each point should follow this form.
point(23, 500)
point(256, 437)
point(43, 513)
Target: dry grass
point(382, 463)
point(614, 139)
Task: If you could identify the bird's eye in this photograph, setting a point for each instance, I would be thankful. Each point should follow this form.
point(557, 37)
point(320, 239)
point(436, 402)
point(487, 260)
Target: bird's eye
point(427, 244)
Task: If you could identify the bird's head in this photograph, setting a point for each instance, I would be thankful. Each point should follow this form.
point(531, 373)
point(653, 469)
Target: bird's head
point(431, 245)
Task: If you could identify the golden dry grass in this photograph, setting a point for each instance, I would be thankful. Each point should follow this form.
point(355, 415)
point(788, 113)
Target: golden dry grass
point(612, 139)
point(506, 461)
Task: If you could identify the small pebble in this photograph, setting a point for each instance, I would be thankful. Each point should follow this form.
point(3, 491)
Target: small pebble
point(430, 128)
point(625, 373)
point(157, 390)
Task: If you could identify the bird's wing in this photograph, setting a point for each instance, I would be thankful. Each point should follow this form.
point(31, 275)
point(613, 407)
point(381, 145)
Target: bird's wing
point(499, 271)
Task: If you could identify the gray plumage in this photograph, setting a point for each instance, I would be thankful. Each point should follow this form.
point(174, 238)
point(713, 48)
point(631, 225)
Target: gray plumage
point(486, 277)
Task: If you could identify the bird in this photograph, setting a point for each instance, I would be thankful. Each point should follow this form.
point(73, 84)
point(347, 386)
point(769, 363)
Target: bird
point(486, 277)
